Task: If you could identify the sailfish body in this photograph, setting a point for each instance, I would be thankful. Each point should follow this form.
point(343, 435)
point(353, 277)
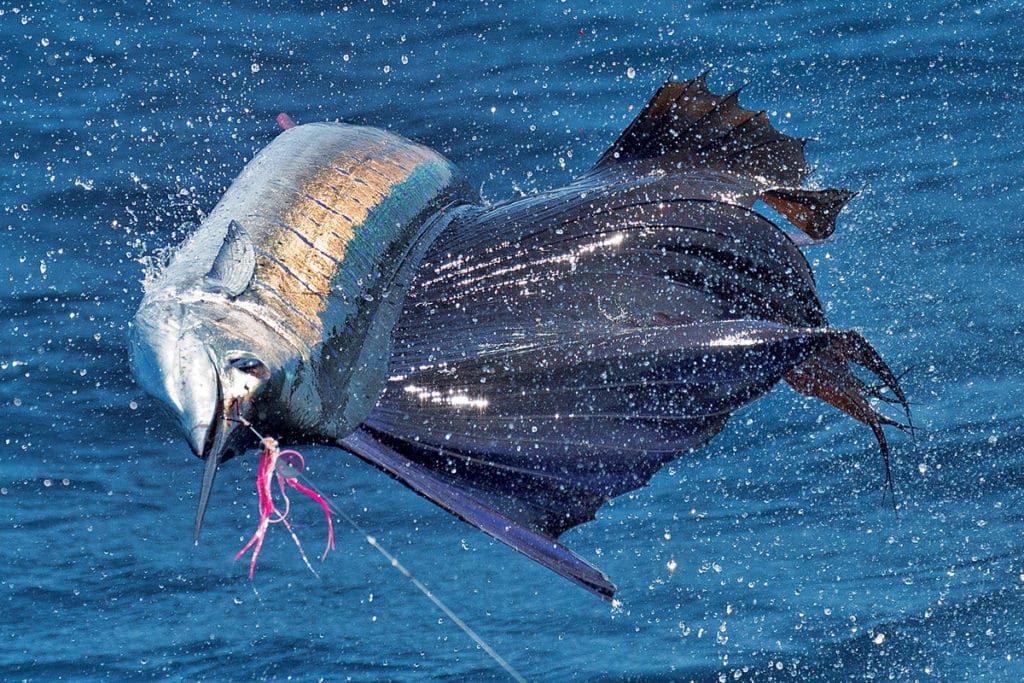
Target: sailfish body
point(516, 364)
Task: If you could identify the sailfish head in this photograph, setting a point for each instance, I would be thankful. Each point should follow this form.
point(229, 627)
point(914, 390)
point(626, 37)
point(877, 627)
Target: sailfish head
point(207, 379)
point(187, 351)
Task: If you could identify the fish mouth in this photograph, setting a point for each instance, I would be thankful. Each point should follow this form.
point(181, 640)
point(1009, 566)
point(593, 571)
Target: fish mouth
point(214, 452)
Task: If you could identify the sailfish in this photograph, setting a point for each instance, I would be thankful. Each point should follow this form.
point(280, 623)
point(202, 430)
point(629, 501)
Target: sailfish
point(518, 364)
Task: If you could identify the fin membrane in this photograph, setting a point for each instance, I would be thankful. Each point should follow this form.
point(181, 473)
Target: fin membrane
point(555, 351)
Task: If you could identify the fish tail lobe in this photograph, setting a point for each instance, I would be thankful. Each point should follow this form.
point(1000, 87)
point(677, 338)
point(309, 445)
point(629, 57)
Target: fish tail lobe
point(828, 375)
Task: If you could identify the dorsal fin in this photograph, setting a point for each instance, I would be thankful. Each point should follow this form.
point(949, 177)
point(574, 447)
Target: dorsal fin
point(233, 268)
point(686, 126)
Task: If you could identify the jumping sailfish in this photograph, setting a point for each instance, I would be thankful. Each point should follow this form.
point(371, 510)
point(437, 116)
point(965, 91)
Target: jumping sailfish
point(517, 364)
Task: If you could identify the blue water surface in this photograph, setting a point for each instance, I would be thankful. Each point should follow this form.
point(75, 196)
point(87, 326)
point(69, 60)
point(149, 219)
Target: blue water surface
point(123, 123)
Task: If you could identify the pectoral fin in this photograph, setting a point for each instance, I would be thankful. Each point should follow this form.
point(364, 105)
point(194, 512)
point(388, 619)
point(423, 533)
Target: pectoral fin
point(233, 268)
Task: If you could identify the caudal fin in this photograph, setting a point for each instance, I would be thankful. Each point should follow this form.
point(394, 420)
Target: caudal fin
point(827, 375)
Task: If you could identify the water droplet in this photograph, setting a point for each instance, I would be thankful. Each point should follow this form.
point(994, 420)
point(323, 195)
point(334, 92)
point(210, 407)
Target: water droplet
point(630, 72)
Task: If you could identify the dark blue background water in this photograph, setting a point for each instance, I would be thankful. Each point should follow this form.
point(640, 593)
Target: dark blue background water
point(119, 127)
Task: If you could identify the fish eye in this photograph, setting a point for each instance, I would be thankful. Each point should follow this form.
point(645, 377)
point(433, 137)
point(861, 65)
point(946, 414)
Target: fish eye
point(250, 366)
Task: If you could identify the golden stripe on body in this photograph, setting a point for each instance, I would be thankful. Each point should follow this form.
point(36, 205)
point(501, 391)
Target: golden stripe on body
point(323, 217)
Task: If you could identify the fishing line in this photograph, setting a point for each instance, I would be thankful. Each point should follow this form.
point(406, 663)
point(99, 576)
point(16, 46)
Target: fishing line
point(245, 423)
point(515, 675)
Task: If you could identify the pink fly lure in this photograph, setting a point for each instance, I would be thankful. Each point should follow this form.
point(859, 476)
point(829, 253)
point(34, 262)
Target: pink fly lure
point(286, 466)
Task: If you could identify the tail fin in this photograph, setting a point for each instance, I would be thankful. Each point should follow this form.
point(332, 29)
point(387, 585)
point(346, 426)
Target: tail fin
point(827, 375)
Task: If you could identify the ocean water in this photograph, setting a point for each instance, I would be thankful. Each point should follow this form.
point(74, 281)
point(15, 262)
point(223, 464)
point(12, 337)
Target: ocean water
point(121, 125)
